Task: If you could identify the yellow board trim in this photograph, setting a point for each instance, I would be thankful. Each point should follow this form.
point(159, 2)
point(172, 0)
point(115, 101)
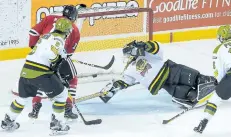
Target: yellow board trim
point(19, 53)
point(38, 66)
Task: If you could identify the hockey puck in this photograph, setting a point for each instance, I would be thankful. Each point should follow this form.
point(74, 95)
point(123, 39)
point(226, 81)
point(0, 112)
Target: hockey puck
point(94, 75)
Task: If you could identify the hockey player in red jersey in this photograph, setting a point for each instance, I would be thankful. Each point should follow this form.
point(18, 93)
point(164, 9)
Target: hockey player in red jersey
point(67, 69)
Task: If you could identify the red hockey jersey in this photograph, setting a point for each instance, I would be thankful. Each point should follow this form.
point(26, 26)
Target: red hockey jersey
point(48, 25)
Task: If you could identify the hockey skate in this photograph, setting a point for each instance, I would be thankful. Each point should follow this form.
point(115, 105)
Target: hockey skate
point(35, 111)
point(9, 125)
point(58, 127)
point(201, 127)
point(68, 112)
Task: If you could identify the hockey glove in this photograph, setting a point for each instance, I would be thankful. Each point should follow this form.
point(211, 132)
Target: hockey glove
point(112, 88)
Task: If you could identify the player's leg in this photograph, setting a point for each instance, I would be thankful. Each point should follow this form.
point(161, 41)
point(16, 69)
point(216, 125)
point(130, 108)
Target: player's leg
point(36, 105)
point(68, 72)
point(54, 89)
point(71, 99)
point(222, 93)
point(183, 82)
point(25, 90)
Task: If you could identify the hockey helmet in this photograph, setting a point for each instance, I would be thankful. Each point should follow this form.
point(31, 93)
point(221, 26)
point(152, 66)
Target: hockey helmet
point(70, 12)
point(63, 25)
point(224, 33)
point(134, 48)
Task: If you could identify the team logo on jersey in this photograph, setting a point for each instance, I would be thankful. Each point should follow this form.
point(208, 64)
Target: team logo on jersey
point(23, 73)
point(142, 66)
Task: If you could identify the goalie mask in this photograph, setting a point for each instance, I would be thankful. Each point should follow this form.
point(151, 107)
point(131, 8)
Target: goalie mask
point(131, 52)
point(224, 33)
point(131, 49)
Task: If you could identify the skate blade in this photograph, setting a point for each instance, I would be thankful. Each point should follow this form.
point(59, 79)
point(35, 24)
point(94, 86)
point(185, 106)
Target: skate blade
point(70, 121)
point(58, 133)
point(32, 120)
point(11, 129)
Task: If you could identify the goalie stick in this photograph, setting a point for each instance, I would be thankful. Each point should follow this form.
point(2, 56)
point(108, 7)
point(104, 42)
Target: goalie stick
point(102, 92)
point(179, 114)
point(91, 96)
point(108, 66)
point(176, 116)
point(95, 95)
point(91, 122)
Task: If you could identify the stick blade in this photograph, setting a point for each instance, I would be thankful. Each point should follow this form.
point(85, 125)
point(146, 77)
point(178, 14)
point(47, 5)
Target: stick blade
point(165, 122)
point(110, 63)
point(94, 122)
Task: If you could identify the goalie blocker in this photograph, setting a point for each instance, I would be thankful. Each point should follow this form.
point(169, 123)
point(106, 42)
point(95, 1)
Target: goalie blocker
point(182, 82)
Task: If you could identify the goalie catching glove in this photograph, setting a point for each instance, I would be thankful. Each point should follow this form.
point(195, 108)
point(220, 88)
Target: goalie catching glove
point(112, 88)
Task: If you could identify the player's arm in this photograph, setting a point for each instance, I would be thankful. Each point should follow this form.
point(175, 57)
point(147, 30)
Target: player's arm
point(116, 85)
point(151, 47)
point(122, 83)
point(59, 52)
point(36, 31)
point(73, 40)
point(217, 65)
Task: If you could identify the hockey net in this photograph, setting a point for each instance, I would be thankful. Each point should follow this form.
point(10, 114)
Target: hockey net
point(104, 31)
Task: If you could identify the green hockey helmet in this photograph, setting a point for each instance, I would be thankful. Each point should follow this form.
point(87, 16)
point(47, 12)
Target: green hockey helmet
point(63, 25)
point(224, 33)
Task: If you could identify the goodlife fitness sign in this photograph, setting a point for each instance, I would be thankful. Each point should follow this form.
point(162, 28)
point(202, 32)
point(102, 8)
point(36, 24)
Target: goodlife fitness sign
point(180, 14)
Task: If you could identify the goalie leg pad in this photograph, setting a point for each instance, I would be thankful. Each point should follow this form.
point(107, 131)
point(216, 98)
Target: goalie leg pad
point(185, 93)
point(205, 91)
point(188, 76)
point(205, 79)
point(180, 74)
point(222, 89)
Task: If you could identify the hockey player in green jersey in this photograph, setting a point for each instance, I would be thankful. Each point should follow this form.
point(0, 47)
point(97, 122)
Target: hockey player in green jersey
point(40, 73)
point(222, 71)
point(147, 67)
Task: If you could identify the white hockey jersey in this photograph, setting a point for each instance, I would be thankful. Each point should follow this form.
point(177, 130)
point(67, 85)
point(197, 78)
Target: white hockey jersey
point(148, 76)
point(222, 60)
point(47, 50)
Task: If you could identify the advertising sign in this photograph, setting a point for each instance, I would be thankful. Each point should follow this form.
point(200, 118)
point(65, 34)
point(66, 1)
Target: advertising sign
point(94, 26)
point(180, 14)
point(15, 23)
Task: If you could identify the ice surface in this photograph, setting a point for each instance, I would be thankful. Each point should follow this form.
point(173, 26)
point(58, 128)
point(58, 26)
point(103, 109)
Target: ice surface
point(132, 112)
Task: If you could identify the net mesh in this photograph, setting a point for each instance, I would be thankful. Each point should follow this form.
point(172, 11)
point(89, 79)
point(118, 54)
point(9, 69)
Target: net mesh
point(112, 27)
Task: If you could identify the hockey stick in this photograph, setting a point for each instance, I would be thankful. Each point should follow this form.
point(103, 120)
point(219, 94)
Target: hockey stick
point(179, 114)
point(95, 95)
point(91, 122)
point(97, 66)
point(102, 92)
point(176, 116)
point(88, 97)
point(205, 90)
